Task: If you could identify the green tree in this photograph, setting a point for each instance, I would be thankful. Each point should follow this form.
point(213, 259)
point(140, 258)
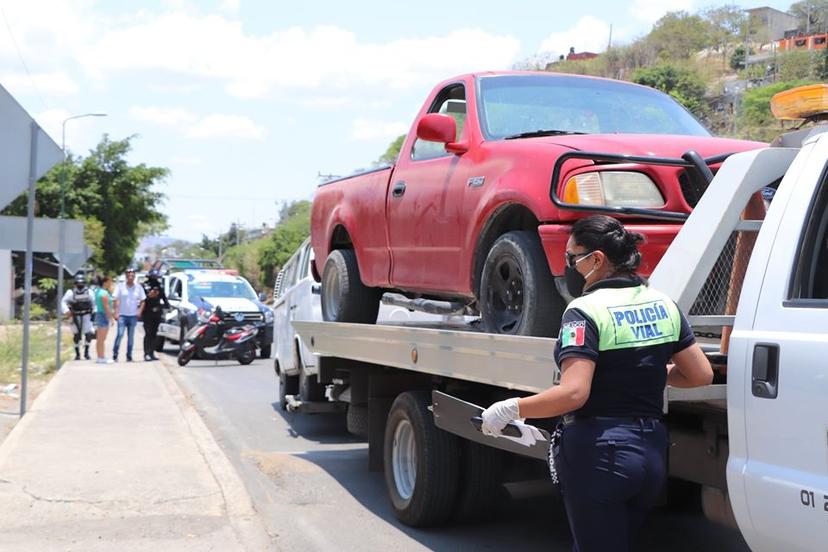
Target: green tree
point(393, 151)
point(678, 35)
point(726, 25)
point(682, 84)
point(812, 15)
point(285, 239)
point(115, 199)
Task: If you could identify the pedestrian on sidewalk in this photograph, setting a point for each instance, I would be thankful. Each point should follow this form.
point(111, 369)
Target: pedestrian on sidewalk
point(152, 312)
point(79, 305)
point(129, 300)
point(103, 314)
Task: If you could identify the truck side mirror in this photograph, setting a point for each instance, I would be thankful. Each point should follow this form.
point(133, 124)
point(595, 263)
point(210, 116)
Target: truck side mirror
point(262, 297)
point(437, 127)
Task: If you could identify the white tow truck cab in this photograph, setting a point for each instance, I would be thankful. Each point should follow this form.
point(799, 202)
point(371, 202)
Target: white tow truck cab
point(752, 276)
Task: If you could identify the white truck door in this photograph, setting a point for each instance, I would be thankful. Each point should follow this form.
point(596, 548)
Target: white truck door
point(778, 370)
point(306, 304)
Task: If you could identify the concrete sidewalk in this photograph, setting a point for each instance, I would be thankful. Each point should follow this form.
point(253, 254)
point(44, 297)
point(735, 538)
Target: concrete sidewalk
point(113, 457)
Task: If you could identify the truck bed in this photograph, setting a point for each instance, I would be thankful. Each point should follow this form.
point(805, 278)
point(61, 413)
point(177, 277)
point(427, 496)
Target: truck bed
point(458, 352)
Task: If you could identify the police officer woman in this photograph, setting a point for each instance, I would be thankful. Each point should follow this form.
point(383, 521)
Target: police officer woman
point(616, 340)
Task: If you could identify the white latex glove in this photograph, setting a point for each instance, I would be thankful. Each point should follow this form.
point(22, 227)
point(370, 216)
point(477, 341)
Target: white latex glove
point(498, 415)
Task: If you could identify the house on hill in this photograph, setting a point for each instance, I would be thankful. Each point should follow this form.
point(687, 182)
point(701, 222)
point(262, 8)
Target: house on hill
point(771, 24)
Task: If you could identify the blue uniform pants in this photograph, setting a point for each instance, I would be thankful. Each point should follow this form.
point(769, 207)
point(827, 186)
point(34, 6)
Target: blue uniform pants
point(612, 471)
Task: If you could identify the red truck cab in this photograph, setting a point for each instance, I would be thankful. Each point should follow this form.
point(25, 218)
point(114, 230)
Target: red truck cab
point(496, 168)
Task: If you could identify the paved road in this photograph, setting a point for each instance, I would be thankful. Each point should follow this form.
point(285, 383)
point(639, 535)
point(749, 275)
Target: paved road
point(309, 481)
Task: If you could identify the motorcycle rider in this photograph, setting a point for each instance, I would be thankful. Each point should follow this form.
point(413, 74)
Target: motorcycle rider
point(151, 313)
point(78, 305)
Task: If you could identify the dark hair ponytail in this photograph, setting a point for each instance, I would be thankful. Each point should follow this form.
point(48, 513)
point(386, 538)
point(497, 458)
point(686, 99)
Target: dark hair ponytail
point(600, 232)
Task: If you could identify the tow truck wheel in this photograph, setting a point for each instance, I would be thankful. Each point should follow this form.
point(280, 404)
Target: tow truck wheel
point(288, 385)
point(344, 297)
point(266, 350)
point(481, 482)
point(517, 290)
point(420, 461)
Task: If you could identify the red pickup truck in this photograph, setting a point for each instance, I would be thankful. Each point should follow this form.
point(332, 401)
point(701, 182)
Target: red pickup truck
point(496, 168)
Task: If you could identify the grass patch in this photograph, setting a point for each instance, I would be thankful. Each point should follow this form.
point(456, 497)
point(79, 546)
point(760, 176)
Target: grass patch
point(41, 350)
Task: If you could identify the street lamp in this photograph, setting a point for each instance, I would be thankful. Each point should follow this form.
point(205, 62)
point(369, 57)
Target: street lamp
point(61, 230)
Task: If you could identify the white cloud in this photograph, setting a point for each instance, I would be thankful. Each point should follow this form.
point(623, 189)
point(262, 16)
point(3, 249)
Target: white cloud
point(372, 129)
point(226, 126)
point(589, 34)
point(325, 102)
point(214, 47)
point(186, 160)
point(230, 6)
point(214, 125)
point(173, 116)
point(55, 83)
point(651, 11)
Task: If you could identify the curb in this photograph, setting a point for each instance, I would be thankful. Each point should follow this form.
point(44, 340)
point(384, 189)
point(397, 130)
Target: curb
point(243, 517)
point(8, 444)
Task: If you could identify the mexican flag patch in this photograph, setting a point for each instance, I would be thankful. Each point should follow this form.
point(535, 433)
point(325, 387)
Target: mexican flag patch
point(572, 334)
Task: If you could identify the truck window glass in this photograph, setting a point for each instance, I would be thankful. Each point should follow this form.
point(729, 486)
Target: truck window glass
point(450, 101)
point(810, 279)
point(514, 104)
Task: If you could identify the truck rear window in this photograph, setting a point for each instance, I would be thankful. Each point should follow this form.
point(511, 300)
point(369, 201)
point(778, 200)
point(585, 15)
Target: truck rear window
point(515, 104)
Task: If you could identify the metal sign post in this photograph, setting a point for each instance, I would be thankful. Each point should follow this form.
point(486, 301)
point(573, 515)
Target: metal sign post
point(27, 287)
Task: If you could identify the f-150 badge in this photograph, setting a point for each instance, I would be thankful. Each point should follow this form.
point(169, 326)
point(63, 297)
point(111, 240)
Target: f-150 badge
point(476, 181)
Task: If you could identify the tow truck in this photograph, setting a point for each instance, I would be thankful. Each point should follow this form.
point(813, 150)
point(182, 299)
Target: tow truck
point(753, 280)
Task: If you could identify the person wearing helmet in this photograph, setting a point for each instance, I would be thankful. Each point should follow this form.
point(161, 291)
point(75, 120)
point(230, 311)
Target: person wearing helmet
point(151, 311)
point(77, 305)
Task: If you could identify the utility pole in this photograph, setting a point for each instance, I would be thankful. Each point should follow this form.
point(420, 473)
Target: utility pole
point(62, 230)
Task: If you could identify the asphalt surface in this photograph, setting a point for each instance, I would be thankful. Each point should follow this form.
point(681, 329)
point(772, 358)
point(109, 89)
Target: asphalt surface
point(310, 483)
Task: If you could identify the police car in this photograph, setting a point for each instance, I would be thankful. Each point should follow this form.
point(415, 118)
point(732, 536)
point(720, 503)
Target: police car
point(194, 294)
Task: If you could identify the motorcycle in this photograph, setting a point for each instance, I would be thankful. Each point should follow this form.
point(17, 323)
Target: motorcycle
point(214, 340)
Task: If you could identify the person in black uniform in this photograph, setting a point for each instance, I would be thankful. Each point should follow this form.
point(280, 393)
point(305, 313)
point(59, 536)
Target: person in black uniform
point(616, 340)
point(151, 311)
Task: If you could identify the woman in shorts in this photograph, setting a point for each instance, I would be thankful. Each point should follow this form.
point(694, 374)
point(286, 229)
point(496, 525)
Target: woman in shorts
point(103, 314)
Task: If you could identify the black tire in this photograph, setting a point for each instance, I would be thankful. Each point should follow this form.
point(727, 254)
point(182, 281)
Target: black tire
point(517, 290)
point(182, 331)
point(265, 351)
point(288, 385)
point(435, 485)
point(344, 297)
point(309, 387)
point(159, 344)
point(358, 420)
point(481, 482)
point(248, 356)
point(185, 356)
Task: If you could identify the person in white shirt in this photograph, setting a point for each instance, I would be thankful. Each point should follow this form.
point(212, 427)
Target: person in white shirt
point(129, 302)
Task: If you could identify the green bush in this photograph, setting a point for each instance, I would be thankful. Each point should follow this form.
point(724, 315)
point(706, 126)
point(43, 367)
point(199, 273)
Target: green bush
point(684, 85)
point(755, 121)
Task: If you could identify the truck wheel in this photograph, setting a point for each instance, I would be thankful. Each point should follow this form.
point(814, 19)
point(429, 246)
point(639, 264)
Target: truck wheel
point(481, 482)
point(344, 297)
point(182, 331)
point(420, 461)
point(517, 290)
point(309, 387)
point(288, 385)
point(358, 420)
point(266, 350)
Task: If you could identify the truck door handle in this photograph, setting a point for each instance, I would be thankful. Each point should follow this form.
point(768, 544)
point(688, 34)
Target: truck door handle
point(765, 378)
point(293, 307)
point(399, 189)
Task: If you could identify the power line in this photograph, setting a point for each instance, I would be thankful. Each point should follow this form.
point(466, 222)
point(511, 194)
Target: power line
point(22, 59)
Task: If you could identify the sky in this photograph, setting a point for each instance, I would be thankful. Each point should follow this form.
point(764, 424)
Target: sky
point(247, 102)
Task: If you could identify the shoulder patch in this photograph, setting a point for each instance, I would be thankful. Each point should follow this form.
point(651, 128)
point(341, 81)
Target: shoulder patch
point(572, 334)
